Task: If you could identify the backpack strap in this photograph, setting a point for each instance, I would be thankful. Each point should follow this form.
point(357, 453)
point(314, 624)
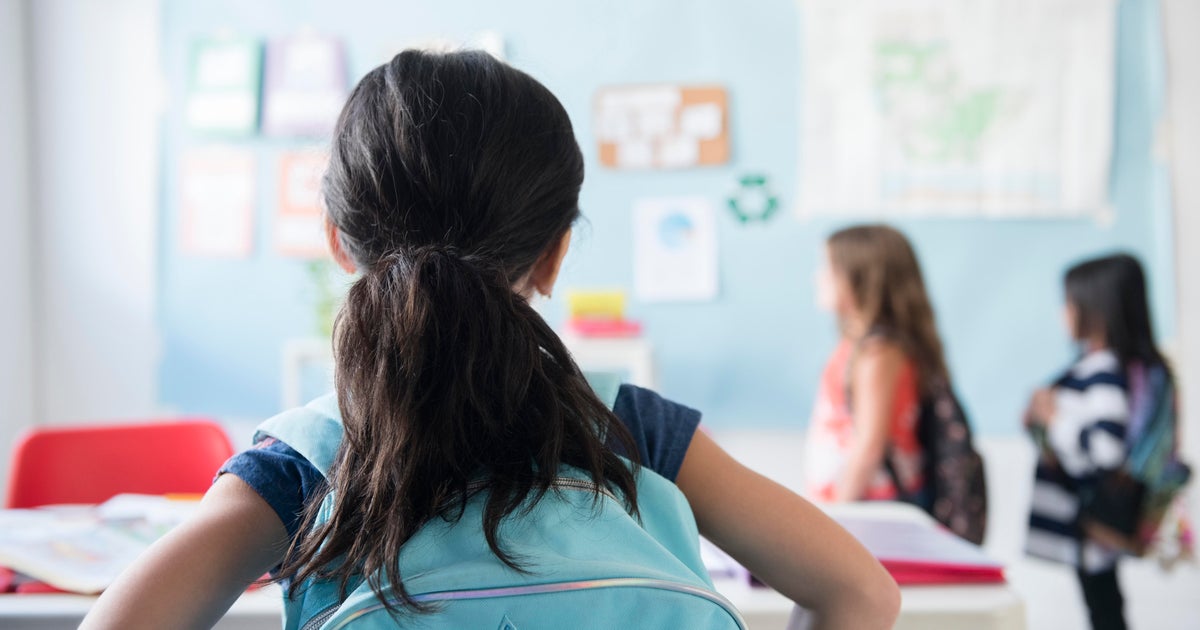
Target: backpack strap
point(606, 385)
point(315, 430)
point(902, 493)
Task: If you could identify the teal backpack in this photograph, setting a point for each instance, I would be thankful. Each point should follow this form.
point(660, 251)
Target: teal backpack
point(589, 565)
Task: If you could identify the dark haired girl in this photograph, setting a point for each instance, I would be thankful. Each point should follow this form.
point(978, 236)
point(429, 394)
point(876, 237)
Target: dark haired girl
point(1080, 422)
point(452, 187)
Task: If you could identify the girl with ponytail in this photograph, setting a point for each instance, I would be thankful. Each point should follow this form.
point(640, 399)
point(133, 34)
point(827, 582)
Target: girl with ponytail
point(451, 190)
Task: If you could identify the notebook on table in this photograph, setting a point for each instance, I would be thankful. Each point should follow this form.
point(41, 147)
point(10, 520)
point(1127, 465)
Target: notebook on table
point(922, 553)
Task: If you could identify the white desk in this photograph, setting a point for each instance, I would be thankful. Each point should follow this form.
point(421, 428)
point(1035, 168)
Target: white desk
point(974, 607)
point(968, 606)
point(256, 610)
point(982, 607)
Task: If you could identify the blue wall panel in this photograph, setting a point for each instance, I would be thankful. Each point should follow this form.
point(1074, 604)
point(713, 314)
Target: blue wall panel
point(751, 358)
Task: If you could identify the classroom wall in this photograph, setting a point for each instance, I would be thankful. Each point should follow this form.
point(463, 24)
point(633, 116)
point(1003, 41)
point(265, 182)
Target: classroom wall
point(752, 357)
point(1183, 54)
point(16, 318)
point(95, 97)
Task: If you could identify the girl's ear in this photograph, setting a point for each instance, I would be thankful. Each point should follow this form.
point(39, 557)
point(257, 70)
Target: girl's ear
point(545, 271)
point(339, 254)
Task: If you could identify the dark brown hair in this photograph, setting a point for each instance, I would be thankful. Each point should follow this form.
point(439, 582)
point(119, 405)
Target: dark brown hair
point(1109, 295)
point(450, 176)
point(884, 276)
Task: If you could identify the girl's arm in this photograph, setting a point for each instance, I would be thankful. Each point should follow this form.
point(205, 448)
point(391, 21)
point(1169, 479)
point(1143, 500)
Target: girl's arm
point(786, 541)
point(1086, 427)
point(190, 577)
point(876, 373)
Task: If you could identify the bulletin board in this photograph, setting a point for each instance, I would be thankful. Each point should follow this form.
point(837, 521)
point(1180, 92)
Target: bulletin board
point(662, 126)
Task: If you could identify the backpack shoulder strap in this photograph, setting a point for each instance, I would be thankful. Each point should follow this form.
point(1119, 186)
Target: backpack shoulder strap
point(606, 385)
point(314, 431)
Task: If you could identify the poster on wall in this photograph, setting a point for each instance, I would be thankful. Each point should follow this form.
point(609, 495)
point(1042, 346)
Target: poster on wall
point(217, 202)
point(675, 249)
point(304, 86)
point(662, 126)
point(299, 230)
point(990, 108)
point(223, 86)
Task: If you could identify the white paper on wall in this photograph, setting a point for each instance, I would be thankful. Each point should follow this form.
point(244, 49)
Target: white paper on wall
point(675, 249)
point(223, 86)
point(305, 85)
point(217, 186)
point(701, 121)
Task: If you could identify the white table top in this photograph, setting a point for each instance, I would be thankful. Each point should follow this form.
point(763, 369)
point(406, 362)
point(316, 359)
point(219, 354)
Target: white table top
point(966, 606)
point(923, 607)
point(975, 607)
point(255, 610)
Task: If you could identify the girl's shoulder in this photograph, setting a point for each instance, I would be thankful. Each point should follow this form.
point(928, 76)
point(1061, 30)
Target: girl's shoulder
point(292, 450)
point(881, 346)
point(283, 477)
point(881, 362)
point(662, 429)
point(881, 352)
point(1096, 368)
point(1098, 361)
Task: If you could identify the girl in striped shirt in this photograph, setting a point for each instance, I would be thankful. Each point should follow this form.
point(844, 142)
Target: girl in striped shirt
point(1079, 423)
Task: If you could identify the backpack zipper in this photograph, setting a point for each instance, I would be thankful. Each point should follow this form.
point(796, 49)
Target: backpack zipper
point(568, 483)
point(558, 587)
point(320, 618)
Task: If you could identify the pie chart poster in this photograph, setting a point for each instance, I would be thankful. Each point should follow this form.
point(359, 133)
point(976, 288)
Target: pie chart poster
point(675, 249)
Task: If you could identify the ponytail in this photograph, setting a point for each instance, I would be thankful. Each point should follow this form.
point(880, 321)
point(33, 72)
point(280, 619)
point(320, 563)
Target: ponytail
point(448, 383)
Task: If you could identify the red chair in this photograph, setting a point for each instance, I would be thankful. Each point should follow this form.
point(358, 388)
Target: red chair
point(91, 464)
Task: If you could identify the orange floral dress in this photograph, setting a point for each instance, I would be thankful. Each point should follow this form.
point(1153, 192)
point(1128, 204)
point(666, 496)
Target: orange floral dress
point(831, 434)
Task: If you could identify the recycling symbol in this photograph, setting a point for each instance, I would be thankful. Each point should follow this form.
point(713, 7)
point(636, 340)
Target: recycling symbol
point(753, 200)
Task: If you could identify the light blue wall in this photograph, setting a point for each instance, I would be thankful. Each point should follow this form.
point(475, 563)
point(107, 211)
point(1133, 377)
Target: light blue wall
point(751, 358)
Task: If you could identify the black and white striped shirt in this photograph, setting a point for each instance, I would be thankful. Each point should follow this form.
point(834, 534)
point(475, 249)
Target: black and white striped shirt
point(1085, 437)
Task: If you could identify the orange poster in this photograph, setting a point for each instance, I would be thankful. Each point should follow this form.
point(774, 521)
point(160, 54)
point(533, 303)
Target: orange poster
point(299, 230)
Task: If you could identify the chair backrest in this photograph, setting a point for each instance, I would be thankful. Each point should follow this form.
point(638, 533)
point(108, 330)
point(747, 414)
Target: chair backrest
point(91, 464)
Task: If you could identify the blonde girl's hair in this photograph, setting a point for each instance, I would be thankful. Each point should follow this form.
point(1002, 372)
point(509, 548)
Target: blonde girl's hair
point(885, 279)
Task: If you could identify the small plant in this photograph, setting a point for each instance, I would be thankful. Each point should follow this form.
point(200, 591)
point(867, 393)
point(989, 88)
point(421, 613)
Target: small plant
point(330, 287)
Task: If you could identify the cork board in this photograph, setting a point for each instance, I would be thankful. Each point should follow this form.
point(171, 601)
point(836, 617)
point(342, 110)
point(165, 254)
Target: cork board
point(662, 126)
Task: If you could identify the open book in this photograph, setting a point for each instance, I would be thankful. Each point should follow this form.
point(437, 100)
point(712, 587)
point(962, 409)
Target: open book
point(922, 553)
point(83, 549)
